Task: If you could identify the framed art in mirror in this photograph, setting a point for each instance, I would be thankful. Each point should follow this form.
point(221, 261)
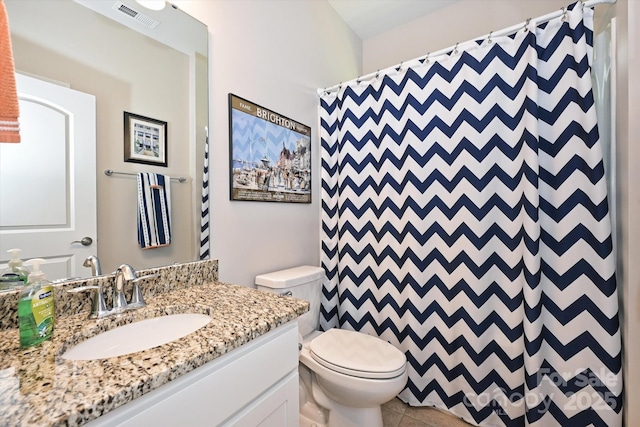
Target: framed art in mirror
point(145, 140)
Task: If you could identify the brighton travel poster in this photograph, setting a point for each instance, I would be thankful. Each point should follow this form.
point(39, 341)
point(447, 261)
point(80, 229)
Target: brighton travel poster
point(270, 155)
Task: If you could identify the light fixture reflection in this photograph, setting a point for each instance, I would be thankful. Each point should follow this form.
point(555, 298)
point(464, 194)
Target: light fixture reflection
point(152, 4)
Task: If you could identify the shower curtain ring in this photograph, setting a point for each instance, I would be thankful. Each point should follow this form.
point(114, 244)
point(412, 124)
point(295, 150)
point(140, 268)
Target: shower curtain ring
point(426, 59)
point(489, 41)
point(564, 14)
point(455, 49)
point(526, 25)
point(399, 67)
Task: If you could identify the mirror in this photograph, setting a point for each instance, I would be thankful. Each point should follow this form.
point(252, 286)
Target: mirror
point(153, 65)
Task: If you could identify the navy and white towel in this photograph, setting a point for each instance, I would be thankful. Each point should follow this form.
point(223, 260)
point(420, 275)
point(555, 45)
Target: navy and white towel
point(154, 210)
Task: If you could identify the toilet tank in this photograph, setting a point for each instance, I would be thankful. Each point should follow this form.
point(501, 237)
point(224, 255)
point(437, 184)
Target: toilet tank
point(304, 282)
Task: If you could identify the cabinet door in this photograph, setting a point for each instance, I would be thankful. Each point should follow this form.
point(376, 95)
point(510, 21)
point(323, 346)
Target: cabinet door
point(261, 375)
point(277, 407)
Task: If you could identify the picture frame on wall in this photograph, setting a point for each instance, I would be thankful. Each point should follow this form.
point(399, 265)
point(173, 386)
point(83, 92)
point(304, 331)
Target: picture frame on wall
point(269, 155)
point(145, 140)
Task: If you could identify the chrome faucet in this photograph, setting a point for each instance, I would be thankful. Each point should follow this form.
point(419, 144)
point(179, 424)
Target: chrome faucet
point(125, 273)
point(93, 262)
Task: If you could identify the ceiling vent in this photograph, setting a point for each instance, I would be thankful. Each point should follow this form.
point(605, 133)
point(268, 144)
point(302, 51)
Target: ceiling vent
point(132, 13)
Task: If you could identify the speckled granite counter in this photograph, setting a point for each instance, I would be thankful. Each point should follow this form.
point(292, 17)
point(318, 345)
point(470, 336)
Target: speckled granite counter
point(169, 278)
point(39, 388)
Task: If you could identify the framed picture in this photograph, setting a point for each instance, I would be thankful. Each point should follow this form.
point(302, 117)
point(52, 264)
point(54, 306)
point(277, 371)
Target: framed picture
point(270, 155)
point(145, 140)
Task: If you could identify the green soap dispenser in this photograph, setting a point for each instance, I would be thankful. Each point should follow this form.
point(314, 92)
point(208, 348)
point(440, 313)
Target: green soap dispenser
point(35, 307)
point(15, 275)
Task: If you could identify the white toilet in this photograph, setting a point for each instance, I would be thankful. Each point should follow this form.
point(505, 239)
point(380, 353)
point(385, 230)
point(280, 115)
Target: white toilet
point(344, 375)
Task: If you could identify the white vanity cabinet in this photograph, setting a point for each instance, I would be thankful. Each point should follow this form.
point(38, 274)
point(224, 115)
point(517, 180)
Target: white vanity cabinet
point(253, 385)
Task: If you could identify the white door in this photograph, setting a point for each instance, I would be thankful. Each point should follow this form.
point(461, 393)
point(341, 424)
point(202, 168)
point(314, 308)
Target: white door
point(48, 180)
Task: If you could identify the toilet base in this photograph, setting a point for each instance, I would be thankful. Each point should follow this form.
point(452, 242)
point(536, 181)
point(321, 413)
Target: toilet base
point(307, 422)
point(318, 410)
point(342, 416)
point(369, 417)
point(311, 414)
point(345, 416)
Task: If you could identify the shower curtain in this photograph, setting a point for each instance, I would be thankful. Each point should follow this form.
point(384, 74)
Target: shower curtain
point(204, 209)
point(465, 221)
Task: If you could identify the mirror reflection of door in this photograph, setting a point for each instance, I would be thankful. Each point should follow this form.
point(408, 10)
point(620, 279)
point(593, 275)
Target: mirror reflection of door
point(47, 191)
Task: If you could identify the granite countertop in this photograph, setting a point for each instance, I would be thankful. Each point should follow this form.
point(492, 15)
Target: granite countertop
point(40, 388)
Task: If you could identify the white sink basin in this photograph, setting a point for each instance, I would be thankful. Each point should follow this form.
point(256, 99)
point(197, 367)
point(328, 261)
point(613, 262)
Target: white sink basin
point(137, 336)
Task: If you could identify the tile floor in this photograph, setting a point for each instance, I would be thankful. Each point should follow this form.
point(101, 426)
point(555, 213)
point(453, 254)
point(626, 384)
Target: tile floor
point(396, 413)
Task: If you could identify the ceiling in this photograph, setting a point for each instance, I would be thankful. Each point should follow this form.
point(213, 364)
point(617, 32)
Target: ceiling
point(368, 18)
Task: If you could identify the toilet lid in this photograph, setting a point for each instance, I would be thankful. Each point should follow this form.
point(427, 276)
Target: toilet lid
point(357, 354)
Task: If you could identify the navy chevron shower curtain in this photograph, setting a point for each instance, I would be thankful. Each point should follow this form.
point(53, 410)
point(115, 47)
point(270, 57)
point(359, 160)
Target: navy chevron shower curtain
point(465, 220)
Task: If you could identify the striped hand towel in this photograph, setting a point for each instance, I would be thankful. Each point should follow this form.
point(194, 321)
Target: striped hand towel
point(9, 109)
point(154, 210)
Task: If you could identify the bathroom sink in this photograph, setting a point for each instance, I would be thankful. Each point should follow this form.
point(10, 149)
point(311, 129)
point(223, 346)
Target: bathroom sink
point(137, 336)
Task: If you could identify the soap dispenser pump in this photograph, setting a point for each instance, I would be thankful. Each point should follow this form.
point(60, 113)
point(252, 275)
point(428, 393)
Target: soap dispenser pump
point(35, 307)
point(15, 275)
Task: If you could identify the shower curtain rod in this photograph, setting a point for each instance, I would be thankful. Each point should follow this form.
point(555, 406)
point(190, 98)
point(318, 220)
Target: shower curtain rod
point(504, 32)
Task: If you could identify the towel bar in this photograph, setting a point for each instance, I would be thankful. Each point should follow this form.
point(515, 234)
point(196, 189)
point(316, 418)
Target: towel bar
point(110, 172)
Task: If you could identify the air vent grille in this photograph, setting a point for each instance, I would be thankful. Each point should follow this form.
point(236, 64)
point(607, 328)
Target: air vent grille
point(132, 13)
point(124, 9)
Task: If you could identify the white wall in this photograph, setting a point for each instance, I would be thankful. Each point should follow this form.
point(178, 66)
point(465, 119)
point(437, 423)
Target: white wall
point(274, 53)
point(458, 23)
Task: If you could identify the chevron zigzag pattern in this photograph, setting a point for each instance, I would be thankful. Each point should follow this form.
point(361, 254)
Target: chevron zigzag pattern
point(204, 211)
point(465, 221)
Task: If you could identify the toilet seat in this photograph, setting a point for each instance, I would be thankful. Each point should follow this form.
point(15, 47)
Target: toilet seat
point(357, 354)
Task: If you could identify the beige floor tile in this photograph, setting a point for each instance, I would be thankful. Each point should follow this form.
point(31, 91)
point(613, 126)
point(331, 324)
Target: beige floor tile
point(412, 422)
point(434, 417)
point(396, 413)
point(396, 404)
point(390, 418)
point(426, 413)
point(458, 422)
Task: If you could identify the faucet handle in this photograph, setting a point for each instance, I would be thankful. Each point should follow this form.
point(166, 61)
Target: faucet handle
point(98, 307)
point(137, 300)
